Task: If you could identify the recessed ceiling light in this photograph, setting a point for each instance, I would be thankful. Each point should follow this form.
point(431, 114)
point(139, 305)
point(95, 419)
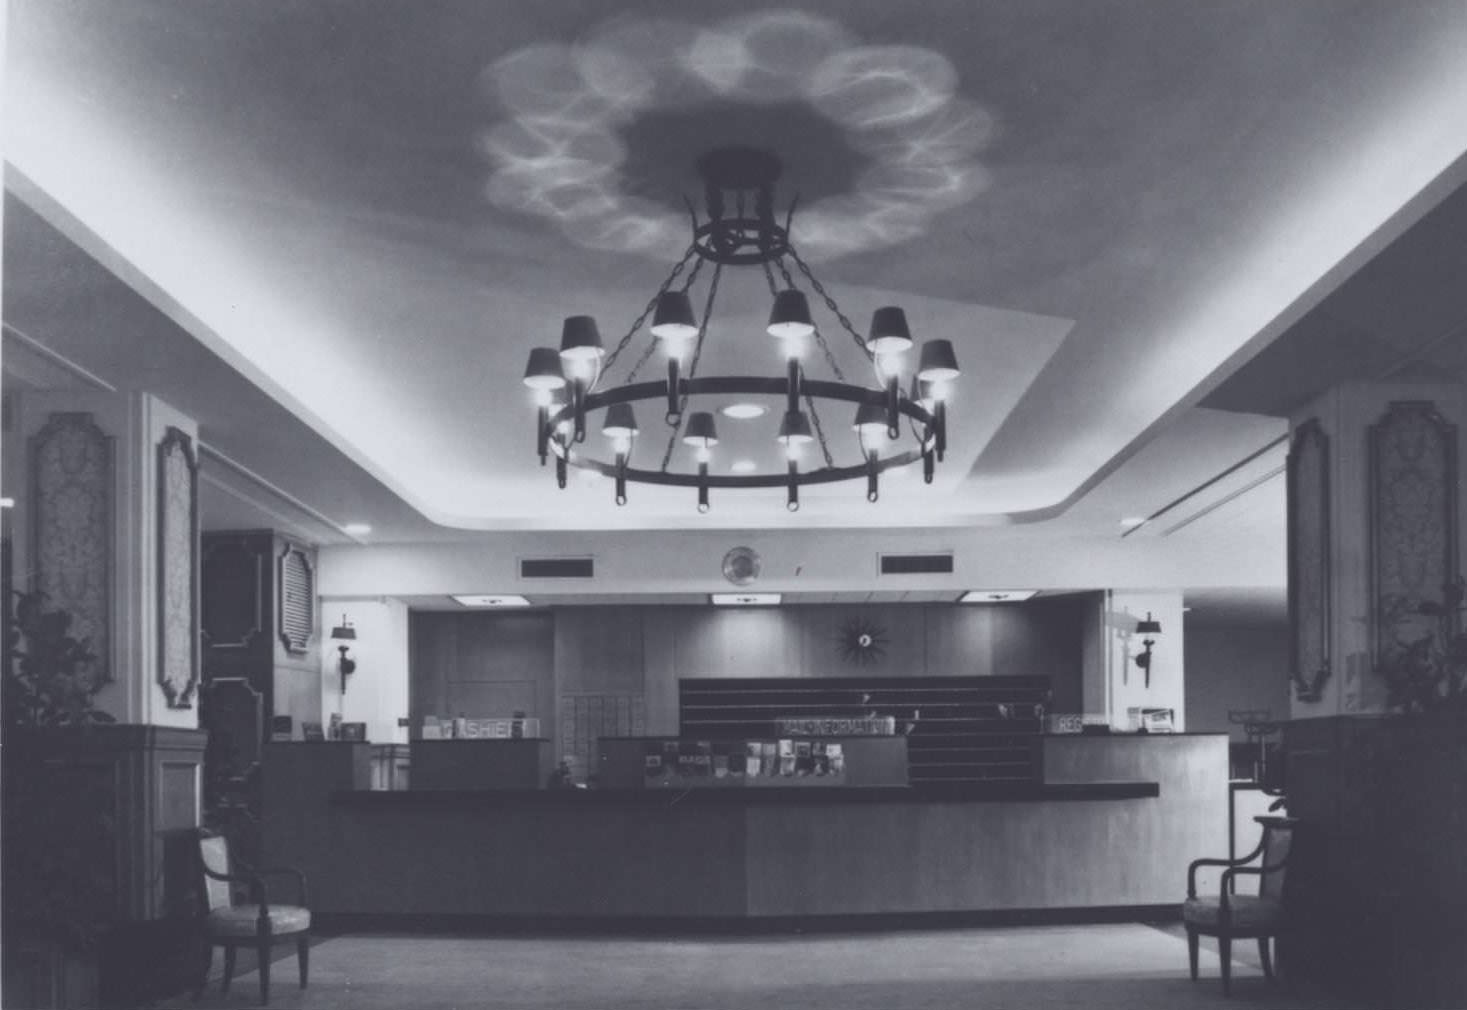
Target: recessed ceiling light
point(7, 503)
point(590, 476)
point(1131, 522)
point(492, 601)
point(744, 599)
point(356, 529)
point(996, 595)
point(743, 466)
point(743, 411)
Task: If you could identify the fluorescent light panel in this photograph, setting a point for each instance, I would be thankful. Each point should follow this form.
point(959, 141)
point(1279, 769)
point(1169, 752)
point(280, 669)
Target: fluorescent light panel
point(492, 601)
point(745, 599)
point(996, 595)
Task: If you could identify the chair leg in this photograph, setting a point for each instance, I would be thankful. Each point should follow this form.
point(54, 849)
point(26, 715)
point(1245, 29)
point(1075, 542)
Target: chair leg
point(303, 956)
point(206, 961)
point(1225, 951)
point(1267, 958)
point(264, 951)
point(228, 966)
point(1192, 952)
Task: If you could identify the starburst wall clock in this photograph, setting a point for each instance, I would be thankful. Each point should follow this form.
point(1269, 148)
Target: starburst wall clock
point(861, 641)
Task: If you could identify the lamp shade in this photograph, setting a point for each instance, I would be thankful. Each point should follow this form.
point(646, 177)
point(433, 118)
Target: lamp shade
point(543, 371)
point(579, 339)
point(790, 316)
point(619, 422)
point(870, 420)
point(344, 631)
point(889, 333)
point(673, 320)
point(701, 431)
point(795, 428)
point(1150, 626)
point(938, 362)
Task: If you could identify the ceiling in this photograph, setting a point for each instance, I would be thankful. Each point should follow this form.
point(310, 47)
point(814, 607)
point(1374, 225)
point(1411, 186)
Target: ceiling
point(331, 231)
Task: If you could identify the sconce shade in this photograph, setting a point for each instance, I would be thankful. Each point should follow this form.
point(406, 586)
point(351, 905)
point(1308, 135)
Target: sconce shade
point(795, 428)
point(790, 316)
point(938, 362)
point(673, 319)
point(579, 339)
point(543, 371)
point(889, 333)
point(620, 422)
point(870, 420)
point(344, 631)
point(1149, 626)
point(701, 431)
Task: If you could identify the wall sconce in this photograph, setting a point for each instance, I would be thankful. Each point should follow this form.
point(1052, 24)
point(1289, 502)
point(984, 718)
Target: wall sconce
point(344, 632)
point(1148, 627)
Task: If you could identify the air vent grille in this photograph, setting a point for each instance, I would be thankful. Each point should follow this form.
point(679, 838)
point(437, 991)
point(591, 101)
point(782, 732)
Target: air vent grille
point(297, 600)
point(916, 564)
point(557, 568)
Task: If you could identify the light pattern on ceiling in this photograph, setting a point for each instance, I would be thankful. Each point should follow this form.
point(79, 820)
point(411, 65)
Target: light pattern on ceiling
point(559, 152)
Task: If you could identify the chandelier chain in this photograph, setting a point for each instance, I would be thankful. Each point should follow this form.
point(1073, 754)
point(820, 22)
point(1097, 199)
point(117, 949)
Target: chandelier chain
point(819, 431)
point(677, 424)
point(830, 303)
point(621, 344)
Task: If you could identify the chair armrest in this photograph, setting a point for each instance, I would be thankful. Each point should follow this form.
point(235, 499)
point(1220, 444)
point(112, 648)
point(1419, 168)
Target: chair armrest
point(1197, 863)
point(288, 871)
point(1252, 871)
point(251, 880)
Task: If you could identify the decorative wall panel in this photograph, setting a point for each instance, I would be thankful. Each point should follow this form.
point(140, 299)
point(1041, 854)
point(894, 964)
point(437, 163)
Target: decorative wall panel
point(297, 599)
point(1413, 487)
point(1309, 560)
point(178, 587)
point(72, 510)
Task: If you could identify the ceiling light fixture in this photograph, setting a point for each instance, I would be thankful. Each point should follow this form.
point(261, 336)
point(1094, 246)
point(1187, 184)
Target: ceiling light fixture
point(740, 230)
point(997, 595)
point(356, 529)
point(743, 411)
point(491, 601)
point(745, 599)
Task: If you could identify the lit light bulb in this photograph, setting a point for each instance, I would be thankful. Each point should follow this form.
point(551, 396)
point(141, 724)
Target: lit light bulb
point(792, 449)
point(621, 444)
point(703, 454)
point(543, 397)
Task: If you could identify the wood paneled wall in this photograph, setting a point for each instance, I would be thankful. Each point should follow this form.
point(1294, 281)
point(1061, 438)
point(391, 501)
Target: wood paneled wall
point(549, 663)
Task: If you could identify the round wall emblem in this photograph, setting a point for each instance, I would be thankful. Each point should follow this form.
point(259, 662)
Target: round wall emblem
point(741, 566)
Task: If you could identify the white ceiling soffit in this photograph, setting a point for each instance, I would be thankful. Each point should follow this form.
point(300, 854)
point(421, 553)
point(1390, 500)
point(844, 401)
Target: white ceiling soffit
point(330, 226)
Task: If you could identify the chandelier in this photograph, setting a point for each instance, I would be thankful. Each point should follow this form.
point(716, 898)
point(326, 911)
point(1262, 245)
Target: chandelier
point(740, 229)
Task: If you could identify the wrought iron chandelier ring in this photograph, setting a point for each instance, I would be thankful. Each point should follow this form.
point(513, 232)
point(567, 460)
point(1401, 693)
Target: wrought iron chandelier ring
point(564, 420)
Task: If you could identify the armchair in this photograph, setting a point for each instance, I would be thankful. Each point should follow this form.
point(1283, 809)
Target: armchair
point(257, 922)
point(1228, 915)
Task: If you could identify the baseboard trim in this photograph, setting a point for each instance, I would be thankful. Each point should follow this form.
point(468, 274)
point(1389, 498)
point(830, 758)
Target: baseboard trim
point(622, 925)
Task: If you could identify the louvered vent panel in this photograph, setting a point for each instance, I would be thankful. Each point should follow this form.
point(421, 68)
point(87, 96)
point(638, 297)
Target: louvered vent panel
point(297, 600)
point(916, 564)
point(557, 568)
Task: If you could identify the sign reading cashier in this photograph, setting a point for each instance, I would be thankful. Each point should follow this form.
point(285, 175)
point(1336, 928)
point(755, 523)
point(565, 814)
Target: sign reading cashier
point(880, 725)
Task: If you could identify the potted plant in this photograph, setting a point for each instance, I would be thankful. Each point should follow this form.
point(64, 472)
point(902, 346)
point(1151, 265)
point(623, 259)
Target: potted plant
point(60, 895)
point(1425, 667)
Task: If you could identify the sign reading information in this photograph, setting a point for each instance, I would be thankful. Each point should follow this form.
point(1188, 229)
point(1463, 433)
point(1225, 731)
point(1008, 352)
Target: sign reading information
point(882, 725)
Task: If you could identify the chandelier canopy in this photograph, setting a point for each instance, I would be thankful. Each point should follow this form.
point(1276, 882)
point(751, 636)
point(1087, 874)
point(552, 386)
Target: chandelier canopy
point(740, 229)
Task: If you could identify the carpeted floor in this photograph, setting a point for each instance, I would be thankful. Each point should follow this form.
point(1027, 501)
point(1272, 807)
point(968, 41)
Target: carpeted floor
point(1126, 966)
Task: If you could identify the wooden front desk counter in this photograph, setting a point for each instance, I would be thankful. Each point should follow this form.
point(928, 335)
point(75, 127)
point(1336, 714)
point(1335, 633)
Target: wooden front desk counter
point(1113, 826)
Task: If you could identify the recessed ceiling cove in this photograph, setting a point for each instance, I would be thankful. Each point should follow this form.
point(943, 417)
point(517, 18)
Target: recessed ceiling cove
point(600, 136)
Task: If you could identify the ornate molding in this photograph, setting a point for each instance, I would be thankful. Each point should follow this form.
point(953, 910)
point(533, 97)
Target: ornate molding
point(1413, 521)
point(1309, 560)
point(178, 581)
point(71, 461)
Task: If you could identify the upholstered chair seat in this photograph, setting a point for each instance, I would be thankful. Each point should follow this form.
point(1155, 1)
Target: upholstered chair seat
point(244, 920)
point(1245, 911)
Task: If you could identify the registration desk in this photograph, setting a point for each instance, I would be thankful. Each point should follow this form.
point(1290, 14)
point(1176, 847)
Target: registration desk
point(1108, 827)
